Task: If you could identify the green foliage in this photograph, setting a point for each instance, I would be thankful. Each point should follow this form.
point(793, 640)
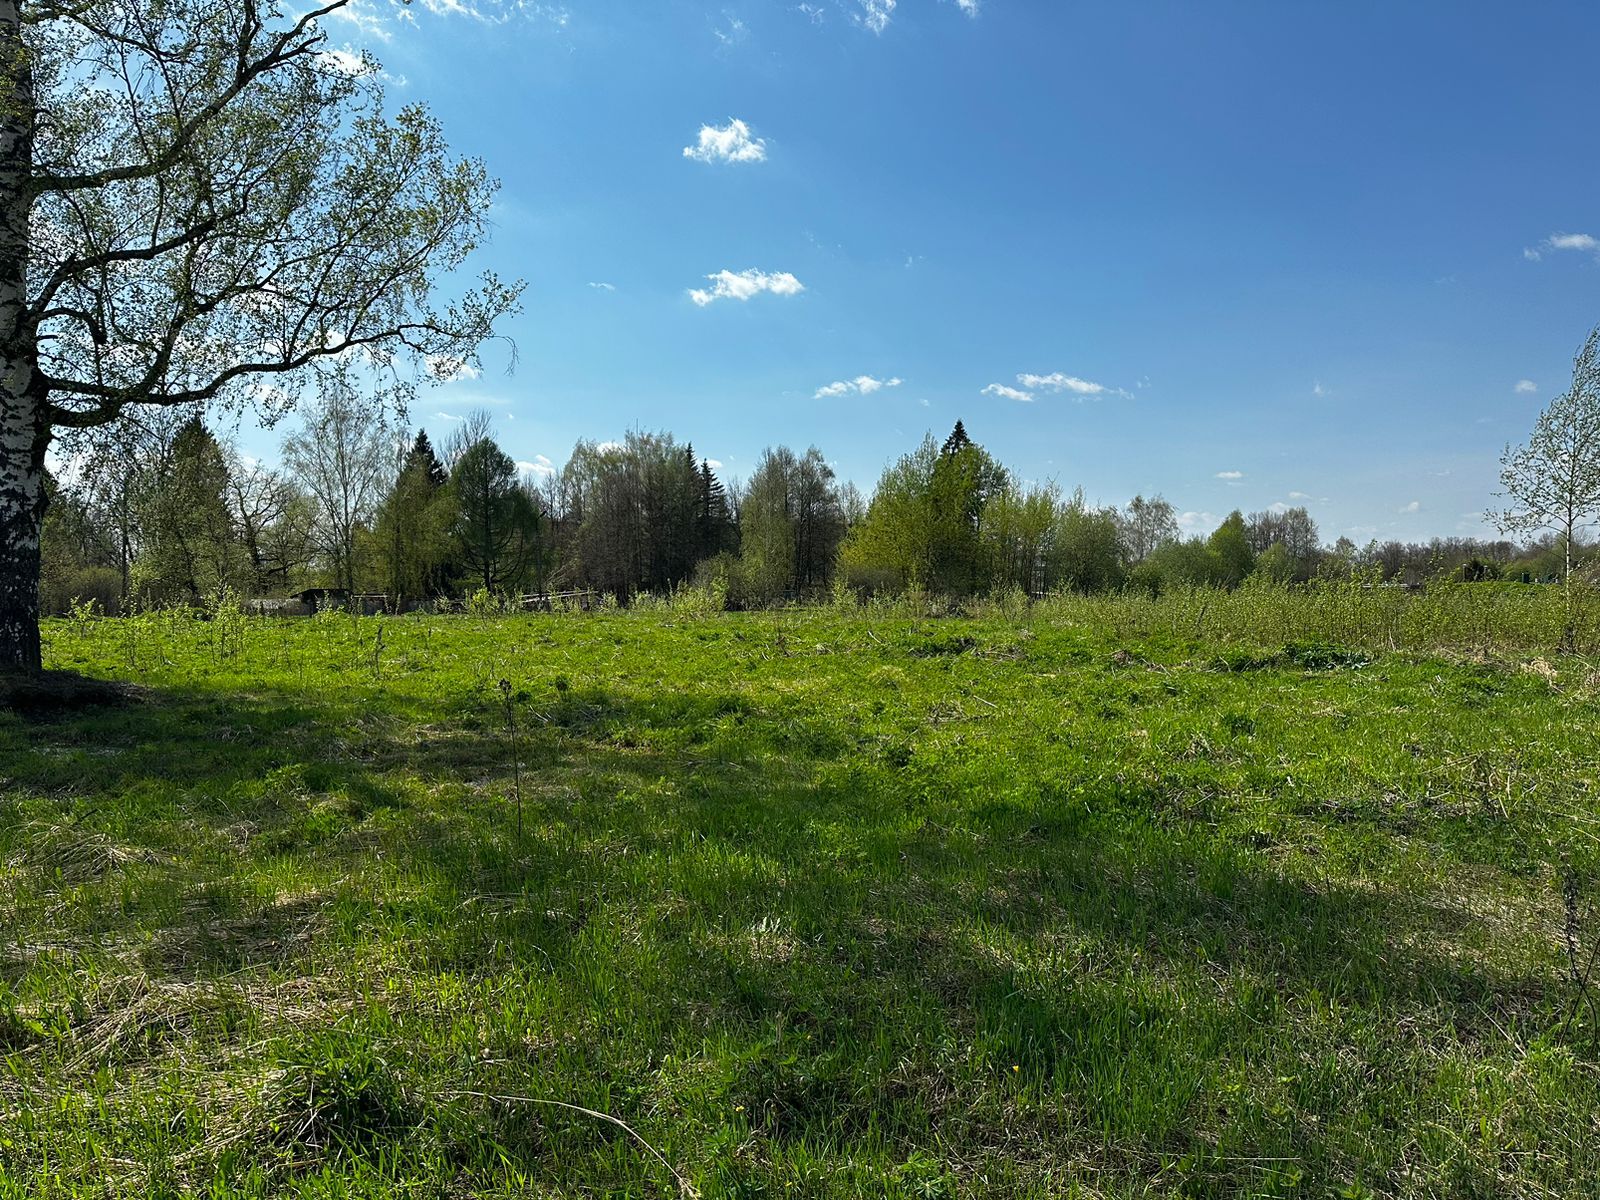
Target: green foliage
point(639, 510)
point(341, 458)
point(927, 521)
point(496, 526)
point(1086, 552)
point(1553, 481)
point(335, 1094)
point(645, 516)
point(790, 527)
point(1230, 545)
point(412, 532)
point(62, 586)
point(189, 549)
point(965, 478)
point(1276, 564)
point(1190, 563)
point(892, 546)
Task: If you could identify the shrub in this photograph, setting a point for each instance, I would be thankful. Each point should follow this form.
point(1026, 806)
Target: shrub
point(60, 592)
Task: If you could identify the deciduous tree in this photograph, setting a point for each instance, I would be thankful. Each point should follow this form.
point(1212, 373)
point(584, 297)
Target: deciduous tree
point(342, 457)
point(1553, 481)
point(1147, 525)
point(196, 196)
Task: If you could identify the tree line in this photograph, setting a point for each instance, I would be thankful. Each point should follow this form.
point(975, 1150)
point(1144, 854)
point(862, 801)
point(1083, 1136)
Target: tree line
point(173, 514)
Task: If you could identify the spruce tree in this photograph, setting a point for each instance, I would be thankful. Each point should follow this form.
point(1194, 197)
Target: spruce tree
point(957, 441)
point(189, 537)
point(421, 457)
point(713, 524)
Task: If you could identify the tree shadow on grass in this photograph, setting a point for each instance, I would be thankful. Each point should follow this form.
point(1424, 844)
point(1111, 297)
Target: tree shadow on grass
point(274, 774)
point(873, 966)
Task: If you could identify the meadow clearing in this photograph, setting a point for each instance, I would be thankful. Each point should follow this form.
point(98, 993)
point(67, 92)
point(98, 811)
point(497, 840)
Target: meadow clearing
point(1222, 894)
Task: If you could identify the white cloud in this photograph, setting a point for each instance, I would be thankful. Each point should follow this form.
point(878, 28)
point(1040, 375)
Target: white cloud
point(497, 12)
point(449, 370)
point(875, 14)
point(1525, 387)
point(1582, 242)
point(726, 285)
point(1299, 495)
point(271, 396)
point(1318, 390)
point(730, 143)
point(1230, 475)
point(1057, 382)
point(1007, 393)
point(541, 467)
point(735, 32)
point(1197, 522)
point(970, 7)
point(603, 287)
point(374, 20)
point(369, 23)
point(861, 385)
point(713, 464)
point(1278, 506)
point(1414, 506)
point(608, 447)
point(812, 11)
point(346, 61)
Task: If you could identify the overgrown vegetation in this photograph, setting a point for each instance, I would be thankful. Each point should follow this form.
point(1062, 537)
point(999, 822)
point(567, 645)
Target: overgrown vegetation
point(1211, 894)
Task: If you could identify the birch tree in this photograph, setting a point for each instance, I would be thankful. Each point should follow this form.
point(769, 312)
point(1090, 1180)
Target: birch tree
point(199, 204)
point(341, 458)
point(1553, 481)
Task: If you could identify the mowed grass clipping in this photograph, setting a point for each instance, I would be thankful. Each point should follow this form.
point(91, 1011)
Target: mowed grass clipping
point(812, 903)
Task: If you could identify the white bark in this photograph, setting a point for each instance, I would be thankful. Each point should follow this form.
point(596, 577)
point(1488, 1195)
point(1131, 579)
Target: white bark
point(24, 433)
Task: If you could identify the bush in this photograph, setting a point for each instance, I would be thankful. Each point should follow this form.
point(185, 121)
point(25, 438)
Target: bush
point(60, 592)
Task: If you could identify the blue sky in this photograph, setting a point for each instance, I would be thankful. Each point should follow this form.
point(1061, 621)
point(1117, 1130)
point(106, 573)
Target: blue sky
point(1238, 253)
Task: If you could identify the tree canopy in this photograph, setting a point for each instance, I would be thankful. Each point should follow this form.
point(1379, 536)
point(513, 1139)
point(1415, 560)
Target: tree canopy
point(196, 198)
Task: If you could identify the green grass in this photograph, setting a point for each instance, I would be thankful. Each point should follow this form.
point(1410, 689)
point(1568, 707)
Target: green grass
point(819, 903)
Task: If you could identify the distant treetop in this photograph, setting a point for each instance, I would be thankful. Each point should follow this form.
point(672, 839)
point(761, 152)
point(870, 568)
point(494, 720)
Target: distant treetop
point(957, 441)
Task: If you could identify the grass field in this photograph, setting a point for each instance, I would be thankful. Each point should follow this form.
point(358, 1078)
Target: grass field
point(1076, 901)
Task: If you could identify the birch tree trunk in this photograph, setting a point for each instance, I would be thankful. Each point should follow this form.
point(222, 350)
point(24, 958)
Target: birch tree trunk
point(24, 431)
